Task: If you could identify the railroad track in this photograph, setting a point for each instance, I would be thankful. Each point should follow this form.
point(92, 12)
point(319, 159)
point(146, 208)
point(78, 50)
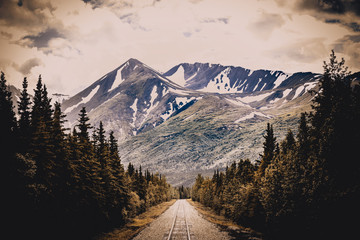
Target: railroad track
point(180, 228)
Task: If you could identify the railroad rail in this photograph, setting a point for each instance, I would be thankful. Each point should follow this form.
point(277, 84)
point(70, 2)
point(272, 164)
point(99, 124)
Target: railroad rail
point(180, 228)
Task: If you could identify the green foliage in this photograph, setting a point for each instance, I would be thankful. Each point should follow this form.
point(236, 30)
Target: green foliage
point(309, 188)
point(67, 183)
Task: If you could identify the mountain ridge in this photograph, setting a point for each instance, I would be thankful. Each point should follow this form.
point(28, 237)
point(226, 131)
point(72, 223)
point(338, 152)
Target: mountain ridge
point(231, 79)
point(169, 125)
point(138, 92)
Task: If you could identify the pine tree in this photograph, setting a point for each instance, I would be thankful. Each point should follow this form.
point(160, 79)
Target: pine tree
point(269, 149)
point(89, 167)
point(303, 138)
point(41, 146)
point(84, 126)
point(119, 184)
point(289, 143)
point(114, 149)
point(8, 122)
point(7, 148)
point(131, 169)
point(24, 120)
point(36, 112)
point(333, 168)
point(62, 169)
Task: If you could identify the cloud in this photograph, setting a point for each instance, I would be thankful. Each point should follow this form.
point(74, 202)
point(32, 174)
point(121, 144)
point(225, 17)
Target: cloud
point(349, 46)
point(343, 12)
point(304, 51)
point(331, 6)
point(224, 20)
point(120, 4)
point(26, 67)
point(25, 14)
point(266, 24)
point(42, 39)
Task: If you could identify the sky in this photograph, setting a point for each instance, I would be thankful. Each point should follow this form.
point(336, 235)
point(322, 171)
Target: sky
point(72, 43)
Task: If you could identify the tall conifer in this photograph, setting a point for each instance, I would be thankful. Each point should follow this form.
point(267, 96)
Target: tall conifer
point(24, 120)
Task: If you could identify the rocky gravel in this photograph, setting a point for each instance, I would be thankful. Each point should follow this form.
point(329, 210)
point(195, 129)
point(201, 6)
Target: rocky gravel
point(200, 228)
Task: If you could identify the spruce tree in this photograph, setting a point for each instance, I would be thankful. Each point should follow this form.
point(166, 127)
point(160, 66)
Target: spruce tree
point(84, 126)
point(24, 120)
point(289, 143)
point(7, 149)
point(36, 112)
point(269, 149)
point(88, 167)
point(303, 138)
point(62, 166)
point(8, 124)
point(41, 147)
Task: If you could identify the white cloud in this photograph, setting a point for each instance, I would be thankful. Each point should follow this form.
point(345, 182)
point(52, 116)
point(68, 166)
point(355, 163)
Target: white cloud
point(94, 39)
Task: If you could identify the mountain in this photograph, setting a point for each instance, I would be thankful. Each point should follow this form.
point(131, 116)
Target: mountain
point(194, 118)
point(130, 99)
point(229, 79)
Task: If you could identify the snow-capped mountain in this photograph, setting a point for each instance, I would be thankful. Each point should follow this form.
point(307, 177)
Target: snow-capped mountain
point(228, 79)
point(130, 99)
point(195, 117)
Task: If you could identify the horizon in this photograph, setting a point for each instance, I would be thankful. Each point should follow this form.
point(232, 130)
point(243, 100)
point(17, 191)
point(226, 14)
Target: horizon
point(74, 43)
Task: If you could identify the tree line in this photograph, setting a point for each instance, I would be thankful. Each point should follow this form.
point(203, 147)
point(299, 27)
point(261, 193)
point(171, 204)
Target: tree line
point(60, 185)
point(306, 186)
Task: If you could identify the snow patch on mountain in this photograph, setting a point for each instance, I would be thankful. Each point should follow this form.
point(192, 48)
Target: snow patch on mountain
point(304, 88)
point(118, 79)
point(280, 79)
point(153, 96)
point(179, 76)
point(84, 100)
point(252, 115)
point(134, 108)
point(256, 98)
point(221, 83)
point(237, 103)
point(285, 93)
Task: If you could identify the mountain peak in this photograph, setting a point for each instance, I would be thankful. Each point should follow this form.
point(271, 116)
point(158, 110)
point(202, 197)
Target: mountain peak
point(134, 61)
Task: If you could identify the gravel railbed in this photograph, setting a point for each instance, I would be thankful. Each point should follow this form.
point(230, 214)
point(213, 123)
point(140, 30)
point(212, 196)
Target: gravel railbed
point(200, 228)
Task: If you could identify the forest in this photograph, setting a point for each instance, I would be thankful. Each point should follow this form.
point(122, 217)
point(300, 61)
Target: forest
point(62, 184)
point(306, 186)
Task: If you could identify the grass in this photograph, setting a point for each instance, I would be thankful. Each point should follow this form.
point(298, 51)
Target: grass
point(234, 230)
point(136, 224)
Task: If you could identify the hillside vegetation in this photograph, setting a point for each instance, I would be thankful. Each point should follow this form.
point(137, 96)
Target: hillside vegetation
point(306, 186)
point(66, 186)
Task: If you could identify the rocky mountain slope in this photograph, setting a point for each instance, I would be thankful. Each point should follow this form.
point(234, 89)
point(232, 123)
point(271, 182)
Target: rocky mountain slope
point(131, 99)
point(195, 117)
point(229, 79)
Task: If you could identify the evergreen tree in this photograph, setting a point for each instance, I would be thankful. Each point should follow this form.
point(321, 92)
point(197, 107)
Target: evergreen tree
point(84, 126)
point(36, 112)
point(289, 143)
point(119, 182)
point(303, 139)
point(9, 173)
point(7, 120)
point(41, 146)
point(63, 169)
point(334, 170)
point(113, 147)
point(24, 120)
point(88, 171)
point(131, 169)
point(269, 149)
